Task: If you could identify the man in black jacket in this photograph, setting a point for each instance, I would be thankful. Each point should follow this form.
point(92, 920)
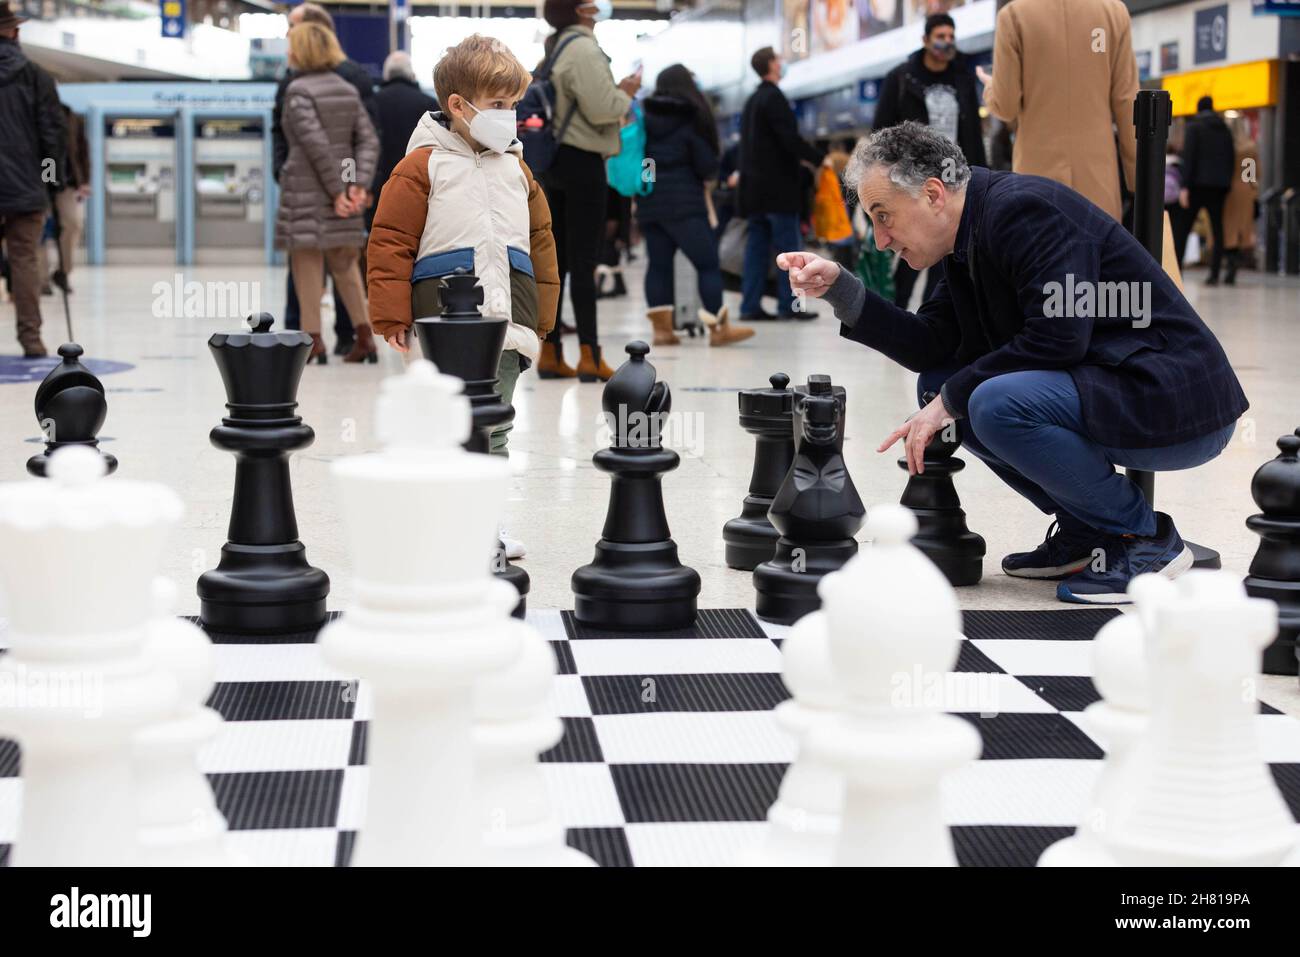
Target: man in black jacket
point(32, 130)
point(360, 194)
point(1208, 167)
point(771, 150)
point(400, 103)
point(934, 86)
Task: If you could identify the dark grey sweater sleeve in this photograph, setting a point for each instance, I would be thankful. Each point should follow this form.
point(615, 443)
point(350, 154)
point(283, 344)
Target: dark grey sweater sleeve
point(846, 296)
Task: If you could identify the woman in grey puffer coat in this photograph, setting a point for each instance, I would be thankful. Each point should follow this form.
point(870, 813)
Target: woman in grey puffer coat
point(332, 149)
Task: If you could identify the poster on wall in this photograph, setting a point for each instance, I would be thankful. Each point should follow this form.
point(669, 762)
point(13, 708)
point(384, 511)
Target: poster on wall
point(920, 9)
point(834, 24)
point(877, 16)
point(795, 41)
point(1169, 57)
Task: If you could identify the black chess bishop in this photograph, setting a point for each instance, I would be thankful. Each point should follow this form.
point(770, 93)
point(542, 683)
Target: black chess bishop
point(70, 409)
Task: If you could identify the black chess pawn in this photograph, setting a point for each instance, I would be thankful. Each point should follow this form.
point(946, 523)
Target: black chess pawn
point(263, 583)
point(70, 407)
point(941, 523)
point(816, 510)
point(635, 582)
point(765, 414)
point(464, 343)
point(1275, 569)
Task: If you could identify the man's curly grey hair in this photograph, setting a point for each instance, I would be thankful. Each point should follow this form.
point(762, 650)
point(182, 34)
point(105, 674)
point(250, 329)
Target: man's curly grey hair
point(910, 153)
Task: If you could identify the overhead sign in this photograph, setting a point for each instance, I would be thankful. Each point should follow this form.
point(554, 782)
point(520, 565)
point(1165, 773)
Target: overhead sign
point(1241, 87)
point(173, 18)
point(1284, 8)
point(1211, 33)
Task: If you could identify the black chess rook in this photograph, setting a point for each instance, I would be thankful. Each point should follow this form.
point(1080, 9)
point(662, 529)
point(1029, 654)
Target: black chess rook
point(635, 582)
point(464, 343)
point(942, 534)
point(765, 414)
point(817, 510)
point(1275, 569)
point(70, 409)
point(263, 583)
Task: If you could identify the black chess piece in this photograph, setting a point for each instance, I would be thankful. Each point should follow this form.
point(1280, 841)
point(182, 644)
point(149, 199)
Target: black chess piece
point(816, 510)
point(263, 583)
point(1275, 569)
point(70, 407)
point(941, 523)
point(766, 414)
point(465, 343)
point(635, 582)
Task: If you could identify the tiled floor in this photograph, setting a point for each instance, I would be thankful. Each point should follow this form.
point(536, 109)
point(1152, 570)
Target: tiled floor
point(162, 407)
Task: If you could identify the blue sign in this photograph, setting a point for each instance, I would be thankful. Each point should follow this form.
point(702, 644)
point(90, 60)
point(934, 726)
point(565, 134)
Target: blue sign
point(1144, 64)
point(1211, 33)
point(868, 90)
point(173, 18)
point(1282, 8)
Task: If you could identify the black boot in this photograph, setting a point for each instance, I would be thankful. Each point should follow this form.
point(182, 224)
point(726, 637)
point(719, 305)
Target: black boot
point(1230, 260)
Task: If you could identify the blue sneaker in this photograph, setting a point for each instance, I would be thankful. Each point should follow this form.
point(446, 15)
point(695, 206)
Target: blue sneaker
point(1064, 552)
point(1124, 557)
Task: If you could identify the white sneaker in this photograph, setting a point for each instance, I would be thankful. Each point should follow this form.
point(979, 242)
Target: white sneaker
point(513, 546)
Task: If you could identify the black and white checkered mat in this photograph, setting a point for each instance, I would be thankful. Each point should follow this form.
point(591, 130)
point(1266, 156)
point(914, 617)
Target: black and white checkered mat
point(671, 754)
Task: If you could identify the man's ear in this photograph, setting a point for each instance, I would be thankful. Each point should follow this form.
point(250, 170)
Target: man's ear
point(935, 194)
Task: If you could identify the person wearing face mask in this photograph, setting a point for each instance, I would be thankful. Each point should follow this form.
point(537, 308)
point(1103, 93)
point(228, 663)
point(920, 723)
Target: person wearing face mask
point(934, 86)
point(589, 108)
point(463, 199)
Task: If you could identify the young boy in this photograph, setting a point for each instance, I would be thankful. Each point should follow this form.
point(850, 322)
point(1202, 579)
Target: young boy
point(483, 213)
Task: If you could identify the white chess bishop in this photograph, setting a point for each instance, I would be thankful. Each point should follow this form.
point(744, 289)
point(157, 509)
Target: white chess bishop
point(892, 619)
point(1196, 789)
point(427, 620)
point(77, 570)
point(803, 824)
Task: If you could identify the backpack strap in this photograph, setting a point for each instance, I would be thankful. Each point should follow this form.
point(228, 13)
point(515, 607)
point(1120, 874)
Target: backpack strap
point(545, 73)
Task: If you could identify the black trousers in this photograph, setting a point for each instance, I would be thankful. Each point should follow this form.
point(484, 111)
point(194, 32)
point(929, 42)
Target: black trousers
point(1210, 199)
point(575, 189)
point(905, 281)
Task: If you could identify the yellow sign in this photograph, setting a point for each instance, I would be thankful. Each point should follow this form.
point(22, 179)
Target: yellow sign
point(1240, 87)
point(171, 8)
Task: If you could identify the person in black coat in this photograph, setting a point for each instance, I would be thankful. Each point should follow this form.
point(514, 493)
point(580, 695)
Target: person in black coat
point(935, 86)
point(34, 135)
point(400, 103)
point(1209, 160)
point(770, 190)
point(360, 194)
point(682, 151)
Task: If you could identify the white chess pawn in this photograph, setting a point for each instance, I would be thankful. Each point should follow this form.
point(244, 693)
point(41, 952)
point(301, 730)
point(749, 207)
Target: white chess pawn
point(76, 567)
point(180, 825)
point(1197, 789)
point(1117, 722)
point(893, 620)
point(513, 724)
point(805, 820)
point(427, 619)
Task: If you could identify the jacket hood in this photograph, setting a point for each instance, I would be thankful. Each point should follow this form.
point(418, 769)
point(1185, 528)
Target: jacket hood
point(12, 59)
point(434, 129)
point(667, 105)
point(665, 114)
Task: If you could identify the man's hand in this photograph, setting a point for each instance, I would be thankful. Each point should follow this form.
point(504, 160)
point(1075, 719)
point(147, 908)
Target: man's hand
point(986, 78)
point(917, 433)
point(398, 341)
point(810, 275)
point(1184, 197)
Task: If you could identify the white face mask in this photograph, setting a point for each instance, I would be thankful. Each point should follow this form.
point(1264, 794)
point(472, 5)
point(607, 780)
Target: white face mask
point(604, 9)
point(495, 129)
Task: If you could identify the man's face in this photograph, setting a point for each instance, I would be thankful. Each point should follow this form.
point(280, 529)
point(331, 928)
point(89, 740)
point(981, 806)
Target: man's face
point(774, 71)
point(912, 226)
point(942, 42)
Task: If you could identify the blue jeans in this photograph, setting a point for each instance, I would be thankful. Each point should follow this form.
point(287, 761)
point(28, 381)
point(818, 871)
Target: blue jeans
point(697, 242)
point(1028, 428)
point(766, 231)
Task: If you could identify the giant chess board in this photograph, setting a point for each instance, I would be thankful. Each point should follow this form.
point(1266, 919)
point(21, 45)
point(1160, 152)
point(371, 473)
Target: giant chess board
point(671, 754)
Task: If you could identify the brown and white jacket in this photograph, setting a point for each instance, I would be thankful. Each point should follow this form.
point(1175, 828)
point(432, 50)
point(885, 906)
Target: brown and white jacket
point(447, 208)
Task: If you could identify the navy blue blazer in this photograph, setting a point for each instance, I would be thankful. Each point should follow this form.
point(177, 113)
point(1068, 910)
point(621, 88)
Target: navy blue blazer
point(1026, 246)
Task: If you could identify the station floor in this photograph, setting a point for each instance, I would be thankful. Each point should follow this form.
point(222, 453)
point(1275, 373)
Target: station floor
point(167, 398)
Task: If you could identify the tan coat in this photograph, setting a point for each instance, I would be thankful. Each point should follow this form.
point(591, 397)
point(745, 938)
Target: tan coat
point(1239, 208)
point(332, 144)
point(1065, 96)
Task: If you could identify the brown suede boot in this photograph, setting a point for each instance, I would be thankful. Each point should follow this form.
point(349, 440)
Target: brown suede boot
point(591, 366)
point(318, 351)
point(661, 317)
point(364, 349)
point(551, 363)
point(721, 331)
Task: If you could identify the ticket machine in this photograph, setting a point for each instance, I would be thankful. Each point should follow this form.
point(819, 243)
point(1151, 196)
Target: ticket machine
point(140, 185)
point(229, 188)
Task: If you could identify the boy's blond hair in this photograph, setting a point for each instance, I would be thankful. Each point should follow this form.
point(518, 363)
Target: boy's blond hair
point(479, 66)
point(314, 48)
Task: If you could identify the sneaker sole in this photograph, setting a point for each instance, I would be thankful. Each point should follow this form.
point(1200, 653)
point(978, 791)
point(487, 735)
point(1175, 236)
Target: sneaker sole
point(1171, 571)
point(1046, 574)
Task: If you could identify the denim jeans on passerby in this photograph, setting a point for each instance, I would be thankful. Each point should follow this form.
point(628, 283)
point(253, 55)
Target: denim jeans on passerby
point(767, 235)
point(698, 243)
point(1028, 428)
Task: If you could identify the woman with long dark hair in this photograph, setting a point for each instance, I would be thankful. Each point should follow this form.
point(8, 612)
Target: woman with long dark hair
point(682, 146)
